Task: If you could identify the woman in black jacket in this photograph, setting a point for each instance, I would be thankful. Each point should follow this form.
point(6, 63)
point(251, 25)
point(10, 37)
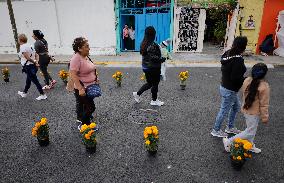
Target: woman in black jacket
point(233, 70)
point(151, 65)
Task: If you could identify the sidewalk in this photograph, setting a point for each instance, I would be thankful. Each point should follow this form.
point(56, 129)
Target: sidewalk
point(133, 59)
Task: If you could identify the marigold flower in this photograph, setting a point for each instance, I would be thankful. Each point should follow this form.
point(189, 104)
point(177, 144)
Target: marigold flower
point(156, 137)
point(38, 124)
point(245, 154)
point(236, 145)
point(249, 155)
point(238, 140)
point(87, 136)
point(145, 135)
point(91, 132)
point(239, 158)
point(114, 76)
point(149, 131)
point(247, 146)
point(147, 142)
point(234, 157)
point(155, 132)
point(34, 133)
point(84, 127)
point(43, 119)
point(92, 125)
point(35, 128)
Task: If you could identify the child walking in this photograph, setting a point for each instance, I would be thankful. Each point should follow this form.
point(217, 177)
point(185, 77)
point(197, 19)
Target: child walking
point(165, 54)
point(256, 96)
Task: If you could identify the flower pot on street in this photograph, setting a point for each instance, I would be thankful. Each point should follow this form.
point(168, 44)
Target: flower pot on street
point(43, 141)
point(6, 80)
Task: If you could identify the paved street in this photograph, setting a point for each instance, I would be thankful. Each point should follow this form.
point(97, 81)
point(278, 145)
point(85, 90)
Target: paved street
point(187, 152)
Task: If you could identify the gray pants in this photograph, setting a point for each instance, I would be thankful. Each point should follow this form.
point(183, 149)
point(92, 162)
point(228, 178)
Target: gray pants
point(249, 133)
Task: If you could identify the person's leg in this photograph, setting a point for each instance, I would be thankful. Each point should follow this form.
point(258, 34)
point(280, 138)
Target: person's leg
point(43, 68)
point(236, 105)
point(28, 82)
point(147, 85)
point(88, 109)
point(250, 131)
point(156, 80)
point(79, 105)
point(34, 79)
point(226, 104)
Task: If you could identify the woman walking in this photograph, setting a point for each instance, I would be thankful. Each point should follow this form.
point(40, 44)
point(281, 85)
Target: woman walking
point(151, 65)
point(28, 56)
point(41, 48)
point(233, 70)
point(83, 74)
point(256, 96)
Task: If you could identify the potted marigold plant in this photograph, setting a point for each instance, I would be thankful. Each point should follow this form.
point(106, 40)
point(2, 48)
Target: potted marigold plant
point(183, 77)
point(118, 77)
point(239, 152)
point(6, 74)
point(143, 77)
point(41, 131)
point(89, 136)
point(63, 76)
point(151, 137)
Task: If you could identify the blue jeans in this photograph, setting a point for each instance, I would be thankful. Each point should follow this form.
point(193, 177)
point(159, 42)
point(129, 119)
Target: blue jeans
point(31, 71)
point(230, 105)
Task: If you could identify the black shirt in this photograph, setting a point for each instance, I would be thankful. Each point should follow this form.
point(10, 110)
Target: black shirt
point(233, 70)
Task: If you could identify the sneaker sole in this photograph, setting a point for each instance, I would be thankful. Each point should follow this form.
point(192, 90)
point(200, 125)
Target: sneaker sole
point(217, 135)
point(231, 132)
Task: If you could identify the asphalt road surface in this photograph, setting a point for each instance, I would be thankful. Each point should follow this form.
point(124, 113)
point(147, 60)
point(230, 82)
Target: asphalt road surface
point(187, 152)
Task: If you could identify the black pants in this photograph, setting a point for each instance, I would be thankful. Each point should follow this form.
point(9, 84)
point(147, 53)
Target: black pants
point(153, 80)
point(43, 63)
point(84, 108)
point(126, 43)
point(31, 71)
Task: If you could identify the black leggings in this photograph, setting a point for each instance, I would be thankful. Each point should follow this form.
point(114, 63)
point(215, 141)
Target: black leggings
point(43, 63)
point(153, 80)
point(84, 107)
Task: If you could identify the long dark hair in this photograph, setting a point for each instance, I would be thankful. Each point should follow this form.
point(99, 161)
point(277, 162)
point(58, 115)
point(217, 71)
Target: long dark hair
point(149, 38)
point(258, 72)
point(239, 46)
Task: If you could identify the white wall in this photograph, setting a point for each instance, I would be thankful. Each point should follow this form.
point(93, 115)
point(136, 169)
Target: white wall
point(61, 21)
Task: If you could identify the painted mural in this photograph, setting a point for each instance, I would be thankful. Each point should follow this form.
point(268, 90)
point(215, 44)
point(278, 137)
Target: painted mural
point(188, 29)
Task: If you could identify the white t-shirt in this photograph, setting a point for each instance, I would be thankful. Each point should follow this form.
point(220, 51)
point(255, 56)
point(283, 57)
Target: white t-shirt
point(29, 49)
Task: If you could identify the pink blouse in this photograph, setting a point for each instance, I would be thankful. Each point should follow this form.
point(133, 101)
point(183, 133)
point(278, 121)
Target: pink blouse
point(85, 69)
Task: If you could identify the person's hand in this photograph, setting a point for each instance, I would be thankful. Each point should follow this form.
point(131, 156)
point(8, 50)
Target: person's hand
point(82, 92)
point(37, 64)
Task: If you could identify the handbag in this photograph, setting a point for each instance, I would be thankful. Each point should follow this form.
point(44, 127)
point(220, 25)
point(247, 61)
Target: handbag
point(93, 91)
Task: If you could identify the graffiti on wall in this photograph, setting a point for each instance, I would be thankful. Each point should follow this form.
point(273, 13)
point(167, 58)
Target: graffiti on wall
point(188, 29)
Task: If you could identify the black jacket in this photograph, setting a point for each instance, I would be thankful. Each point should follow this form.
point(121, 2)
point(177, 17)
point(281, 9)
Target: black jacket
point(152, 58)
point(233, 70)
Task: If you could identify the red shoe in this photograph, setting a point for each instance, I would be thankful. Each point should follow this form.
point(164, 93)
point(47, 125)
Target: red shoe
point(53, 82)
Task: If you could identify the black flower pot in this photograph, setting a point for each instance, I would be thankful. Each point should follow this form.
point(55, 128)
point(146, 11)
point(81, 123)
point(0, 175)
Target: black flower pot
point(91, 149)
point(6, 80)
point(182, 87)
point(152, 153)
point(43, 141)
point(118, 84)
point(236, 164)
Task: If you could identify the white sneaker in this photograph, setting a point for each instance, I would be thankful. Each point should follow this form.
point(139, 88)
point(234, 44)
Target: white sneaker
point(255, 150)
point(219, 133)
point(42, 97)
point(46, 87)
point(232, 130)
point(136, 97)
point(157, 102)
point(227, 144)
point(22, 94)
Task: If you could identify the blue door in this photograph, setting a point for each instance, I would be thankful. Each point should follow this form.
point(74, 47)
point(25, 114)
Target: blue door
point(160, 21)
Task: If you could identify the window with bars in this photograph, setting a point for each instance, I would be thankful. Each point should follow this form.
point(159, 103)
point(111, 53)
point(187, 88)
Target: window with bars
point(143, 3)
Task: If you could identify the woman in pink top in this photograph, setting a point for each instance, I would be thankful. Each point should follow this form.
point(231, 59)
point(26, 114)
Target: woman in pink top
point(83, 74)
point(256, 96)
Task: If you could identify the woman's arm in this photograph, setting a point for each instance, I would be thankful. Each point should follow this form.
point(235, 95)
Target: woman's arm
point(77, 84)
point(27, 56)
